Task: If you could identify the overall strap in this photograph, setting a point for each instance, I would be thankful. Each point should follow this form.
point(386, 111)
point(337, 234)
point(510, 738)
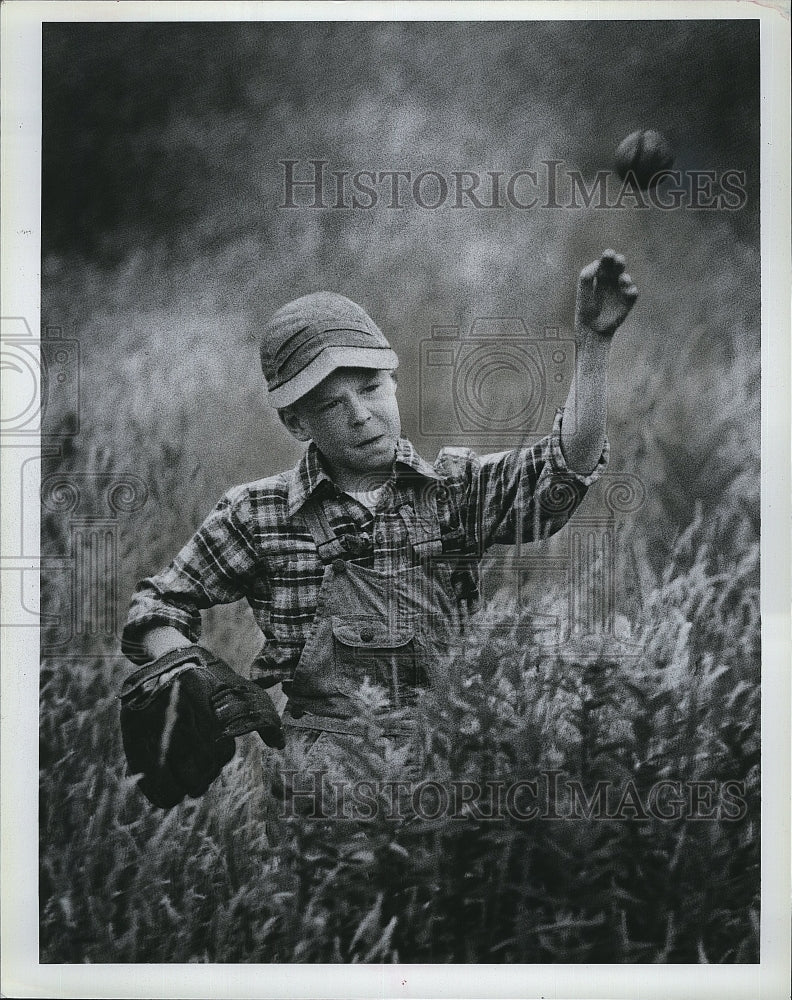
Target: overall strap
point(328, 544)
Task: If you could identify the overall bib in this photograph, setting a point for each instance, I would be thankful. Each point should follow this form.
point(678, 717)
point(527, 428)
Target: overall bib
point(378, 638)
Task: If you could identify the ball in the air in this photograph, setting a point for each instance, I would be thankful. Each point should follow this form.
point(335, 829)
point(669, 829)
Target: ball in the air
point(645, 153)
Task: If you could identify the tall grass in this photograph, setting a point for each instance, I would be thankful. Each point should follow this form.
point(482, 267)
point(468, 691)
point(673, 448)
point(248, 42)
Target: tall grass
point(676, 697)
point(123, 882)
point(163, 250)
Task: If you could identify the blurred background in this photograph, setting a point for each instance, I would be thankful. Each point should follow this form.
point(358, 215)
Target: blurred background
point(164, 247)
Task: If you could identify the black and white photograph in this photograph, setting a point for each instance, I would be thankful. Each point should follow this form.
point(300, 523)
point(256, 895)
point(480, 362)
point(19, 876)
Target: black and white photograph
point(394, 434)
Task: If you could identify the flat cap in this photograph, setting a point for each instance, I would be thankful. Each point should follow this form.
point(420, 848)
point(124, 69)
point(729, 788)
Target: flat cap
point(307, 339)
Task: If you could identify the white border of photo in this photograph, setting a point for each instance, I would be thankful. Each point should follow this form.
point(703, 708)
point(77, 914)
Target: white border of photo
point(22, 975)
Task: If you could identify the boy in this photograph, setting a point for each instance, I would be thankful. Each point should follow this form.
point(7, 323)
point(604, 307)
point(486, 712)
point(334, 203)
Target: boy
point(360, 563)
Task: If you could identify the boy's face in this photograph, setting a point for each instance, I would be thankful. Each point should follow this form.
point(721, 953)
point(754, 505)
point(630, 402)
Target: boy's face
point(353, 418)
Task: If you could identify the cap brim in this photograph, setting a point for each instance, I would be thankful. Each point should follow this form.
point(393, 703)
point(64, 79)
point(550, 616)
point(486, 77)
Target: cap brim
point(325, 364)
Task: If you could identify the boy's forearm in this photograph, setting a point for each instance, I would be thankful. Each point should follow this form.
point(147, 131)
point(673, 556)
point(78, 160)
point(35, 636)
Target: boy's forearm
point(162, 639)
point(585, 412)
point(605, 296)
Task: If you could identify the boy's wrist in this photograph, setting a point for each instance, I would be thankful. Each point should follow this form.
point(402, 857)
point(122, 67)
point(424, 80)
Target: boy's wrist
point(587, 336)
point(163, 639)
point(593, 353)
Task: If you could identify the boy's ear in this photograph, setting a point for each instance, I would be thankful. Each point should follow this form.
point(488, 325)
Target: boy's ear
point(294, 424)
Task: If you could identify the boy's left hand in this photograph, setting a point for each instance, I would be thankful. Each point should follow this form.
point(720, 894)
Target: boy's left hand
point(605, 295)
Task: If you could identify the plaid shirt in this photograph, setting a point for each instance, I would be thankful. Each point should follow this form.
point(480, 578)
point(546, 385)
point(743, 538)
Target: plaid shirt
point(255, 545)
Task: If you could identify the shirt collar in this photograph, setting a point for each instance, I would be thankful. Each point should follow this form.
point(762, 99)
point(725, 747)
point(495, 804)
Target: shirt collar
point(407, 455)
point(305, 478)
point(309, 473)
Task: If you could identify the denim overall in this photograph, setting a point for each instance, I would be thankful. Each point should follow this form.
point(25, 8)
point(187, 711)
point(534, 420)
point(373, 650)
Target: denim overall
point(378, 638)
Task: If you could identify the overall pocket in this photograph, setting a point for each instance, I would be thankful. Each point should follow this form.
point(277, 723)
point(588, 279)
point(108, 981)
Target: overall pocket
point(384, 657)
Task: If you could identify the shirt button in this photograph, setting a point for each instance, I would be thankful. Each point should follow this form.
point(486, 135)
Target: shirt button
point(367, 634)
point(339, 566)
point(379, 538)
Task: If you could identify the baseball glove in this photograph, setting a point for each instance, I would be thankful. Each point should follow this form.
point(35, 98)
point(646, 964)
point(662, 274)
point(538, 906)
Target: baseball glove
point(179, 717)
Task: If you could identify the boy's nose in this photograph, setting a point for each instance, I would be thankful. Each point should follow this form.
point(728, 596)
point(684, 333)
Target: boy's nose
point(359, 413)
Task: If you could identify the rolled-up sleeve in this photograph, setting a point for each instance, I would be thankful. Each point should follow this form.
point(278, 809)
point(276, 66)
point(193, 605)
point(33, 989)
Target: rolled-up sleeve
point(526, 494)
point(212, 568)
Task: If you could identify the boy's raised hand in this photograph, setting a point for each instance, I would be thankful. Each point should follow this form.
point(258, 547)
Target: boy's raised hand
point(605, 295)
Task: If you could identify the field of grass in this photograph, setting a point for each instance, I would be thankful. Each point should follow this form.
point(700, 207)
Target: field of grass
point(678, 701)
point(673, 697)
point(163, 249)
